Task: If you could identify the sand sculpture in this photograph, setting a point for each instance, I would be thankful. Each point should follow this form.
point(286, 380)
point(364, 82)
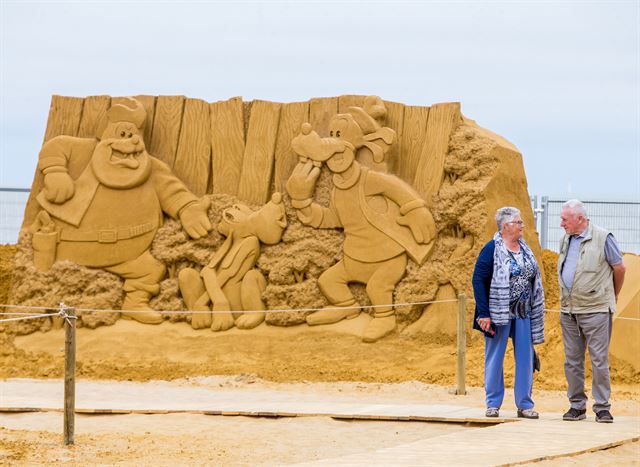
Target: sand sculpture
point(407, 193)
point(230, 282)
point(383, 218)
point(108, 216)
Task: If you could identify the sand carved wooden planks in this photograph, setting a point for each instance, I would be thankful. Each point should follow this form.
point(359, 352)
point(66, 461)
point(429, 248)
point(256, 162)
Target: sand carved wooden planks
point(95, 107)
point(149, 104)
point(414, 134)
point(443, 120)
point(320, 112)
point(166, 128)
point(223, 148)
point(344, 102)
point(192, 163)
point(291, 119)
point(257, 163)
point(65, 114)
point(227, 145)
point(395, 120)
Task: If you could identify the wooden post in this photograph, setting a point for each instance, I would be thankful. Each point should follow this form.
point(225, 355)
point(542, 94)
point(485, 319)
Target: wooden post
point(462, 345)
point(69, 372)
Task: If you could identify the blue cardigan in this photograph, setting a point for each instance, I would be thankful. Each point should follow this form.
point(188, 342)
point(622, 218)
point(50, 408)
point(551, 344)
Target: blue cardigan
point(481, 282)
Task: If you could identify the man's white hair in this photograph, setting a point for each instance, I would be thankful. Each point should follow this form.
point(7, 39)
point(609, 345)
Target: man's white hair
point(506, 214)
point(575, 206)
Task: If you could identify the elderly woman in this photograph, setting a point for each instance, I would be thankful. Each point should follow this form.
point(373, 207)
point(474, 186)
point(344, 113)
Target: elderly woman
point(509, 303)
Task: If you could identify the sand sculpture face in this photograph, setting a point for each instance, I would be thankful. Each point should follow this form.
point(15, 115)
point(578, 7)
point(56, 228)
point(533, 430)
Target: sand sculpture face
point(120, 159)
point(108, 216)
point(230, 281)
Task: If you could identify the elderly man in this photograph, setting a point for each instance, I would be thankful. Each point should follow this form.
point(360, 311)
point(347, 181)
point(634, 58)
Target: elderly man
point(591, 273)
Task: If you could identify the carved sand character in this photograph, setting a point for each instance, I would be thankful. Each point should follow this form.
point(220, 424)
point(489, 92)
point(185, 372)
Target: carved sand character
point(230, 282)
point(108, 217)
point(383, 219)
point(361, 127)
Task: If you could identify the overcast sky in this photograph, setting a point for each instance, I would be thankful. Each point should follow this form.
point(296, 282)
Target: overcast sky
point(559, 79)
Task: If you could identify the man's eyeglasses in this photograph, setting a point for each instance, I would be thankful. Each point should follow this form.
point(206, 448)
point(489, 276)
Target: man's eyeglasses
point(516, 222)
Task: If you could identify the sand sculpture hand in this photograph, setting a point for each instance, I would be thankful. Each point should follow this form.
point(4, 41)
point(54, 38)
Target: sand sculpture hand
point(421, 223)
point(58, 187)
point(195, 220)
point(302, 182)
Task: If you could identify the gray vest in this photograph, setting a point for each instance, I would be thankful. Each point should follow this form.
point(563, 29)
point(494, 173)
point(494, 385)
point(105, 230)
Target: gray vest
point(592, 289)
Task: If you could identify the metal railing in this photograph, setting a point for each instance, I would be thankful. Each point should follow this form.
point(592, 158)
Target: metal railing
point(622, 218)
point(12, 204)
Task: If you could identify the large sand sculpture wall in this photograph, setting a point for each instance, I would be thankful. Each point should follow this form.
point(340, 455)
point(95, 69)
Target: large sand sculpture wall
point(234, 151)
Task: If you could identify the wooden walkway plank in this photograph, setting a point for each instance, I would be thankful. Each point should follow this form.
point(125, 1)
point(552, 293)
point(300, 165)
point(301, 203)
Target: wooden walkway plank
point(166, 128)
point(94, 110)
point(320, 112)
point(443, 120)
point(414, 133)
point(65, 114)
point(227, 144)
point(193, 156)
point(257, 163)
point(344, 102)
point(292, 117)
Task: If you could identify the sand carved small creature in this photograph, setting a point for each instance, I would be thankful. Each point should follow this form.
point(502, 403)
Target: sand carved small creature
point(230, 283)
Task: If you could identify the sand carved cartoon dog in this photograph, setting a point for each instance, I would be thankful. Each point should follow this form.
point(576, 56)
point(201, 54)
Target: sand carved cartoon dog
point(230, 282)
point(383, 219)
point(108, 216)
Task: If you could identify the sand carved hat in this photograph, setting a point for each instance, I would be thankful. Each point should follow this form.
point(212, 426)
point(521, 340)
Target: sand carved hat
point(127, 110)
point(368, 118)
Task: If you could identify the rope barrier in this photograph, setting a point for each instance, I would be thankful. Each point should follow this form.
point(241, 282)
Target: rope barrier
point(29, 307)
point(283, 310)
point(16, 314)
point(23, 315)
point(24, 318)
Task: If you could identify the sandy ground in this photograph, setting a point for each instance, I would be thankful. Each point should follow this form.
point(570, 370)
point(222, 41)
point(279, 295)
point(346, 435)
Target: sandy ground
point(300, 359)
point(329, 360)
point(180, 439)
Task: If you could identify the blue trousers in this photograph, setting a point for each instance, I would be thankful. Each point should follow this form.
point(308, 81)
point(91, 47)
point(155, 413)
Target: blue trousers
point(494, 349)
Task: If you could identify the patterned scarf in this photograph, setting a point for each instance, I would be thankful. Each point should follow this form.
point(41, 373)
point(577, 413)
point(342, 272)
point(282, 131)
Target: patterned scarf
point(499, 293)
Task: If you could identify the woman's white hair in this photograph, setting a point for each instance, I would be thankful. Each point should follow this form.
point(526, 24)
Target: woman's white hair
point(506, 214)
point(575, 206)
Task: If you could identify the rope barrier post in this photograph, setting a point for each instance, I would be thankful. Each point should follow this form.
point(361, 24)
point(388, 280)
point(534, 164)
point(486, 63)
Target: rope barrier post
point(462, 345)
point(69, 372)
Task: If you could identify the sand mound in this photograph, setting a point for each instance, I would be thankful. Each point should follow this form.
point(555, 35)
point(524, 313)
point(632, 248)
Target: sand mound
point(625, 342)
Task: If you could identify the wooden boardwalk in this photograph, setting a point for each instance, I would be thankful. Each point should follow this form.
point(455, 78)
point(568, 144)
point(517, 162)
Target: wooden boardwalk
point(483, 441)
point(501, 444)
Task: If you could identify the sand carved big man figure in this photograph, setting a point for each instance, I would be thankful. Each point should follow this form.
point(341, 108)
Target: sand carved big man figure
point(383, 218)
point(108, 216)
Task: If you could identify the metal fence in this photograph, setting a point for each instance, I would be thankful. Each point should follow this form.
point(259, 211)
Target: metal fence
point(12, 204)
point(622, 218)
